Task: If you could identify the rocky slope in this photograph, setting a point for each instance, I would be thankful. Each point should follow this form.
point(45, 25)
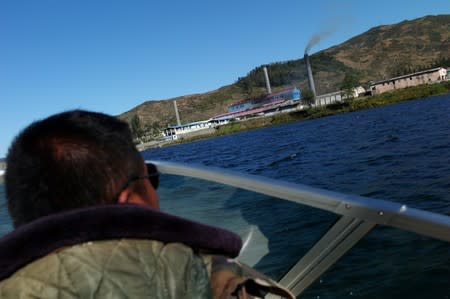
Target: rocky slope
point(379, 53)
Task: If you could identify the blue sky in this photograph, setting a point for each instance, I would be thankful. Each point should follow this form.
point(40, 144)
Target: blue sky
point(110, 56)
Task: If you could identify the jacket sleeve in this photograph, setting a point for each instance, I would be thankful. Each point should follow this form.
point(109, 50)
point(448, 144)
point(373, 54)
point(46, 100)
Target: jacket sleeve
point(233, 279)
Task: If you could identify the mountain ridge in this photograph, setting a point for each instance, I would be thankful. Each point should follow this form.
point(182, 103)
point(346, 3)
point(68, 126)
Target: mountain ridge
point(381, 52)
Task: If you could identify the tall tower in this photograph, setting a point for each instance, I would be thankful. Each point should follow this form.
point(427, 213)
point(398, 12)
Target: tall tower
point(266, 76)
point(312, 87)
point(176, 113)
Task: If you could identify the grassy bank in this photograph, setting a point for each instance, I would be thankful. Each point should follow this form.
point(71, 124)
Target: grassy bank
point(407, 94)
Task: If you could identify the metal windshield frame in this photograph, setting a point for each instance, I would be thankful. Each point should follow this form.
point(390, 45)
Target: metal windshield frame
point(359, 216)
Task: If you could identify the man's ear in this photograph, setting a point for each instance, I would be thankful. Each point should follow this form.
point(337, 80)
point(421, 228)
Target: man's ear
point(123, 196)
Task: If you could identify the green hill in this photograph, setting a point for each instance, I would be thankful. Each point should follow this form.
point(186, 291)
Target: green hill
point(381, 52)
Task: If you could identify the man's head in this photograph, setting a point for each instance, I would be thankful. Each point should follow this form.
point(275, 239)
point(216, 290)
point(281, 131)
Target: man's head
point(72, 160)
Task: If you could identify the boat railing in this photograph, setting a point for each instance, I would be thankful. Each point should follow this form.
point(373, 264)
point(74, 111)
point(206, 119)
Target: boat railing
point(359, 215)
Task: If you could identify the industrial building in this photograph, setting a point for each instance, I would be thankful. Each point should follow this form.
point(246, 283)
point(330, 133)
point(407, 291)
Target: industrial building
point(289, 99)
point(292, 93)
point(190, 129)
point(423, 77)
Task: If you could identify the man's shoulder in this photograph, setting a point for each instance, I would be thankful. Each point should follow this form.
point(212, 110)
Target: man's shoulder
point(131, 267)
point(22, 246)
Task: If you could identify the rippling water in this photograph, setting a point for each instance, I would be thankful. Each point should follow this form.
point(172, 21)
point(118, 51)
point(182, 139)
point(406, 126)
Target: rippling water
point(398, 152)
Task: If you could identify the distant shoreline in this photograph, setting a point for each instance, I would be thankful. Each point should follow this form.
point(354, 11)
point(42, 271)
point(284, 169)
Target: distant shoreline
point(407, 94)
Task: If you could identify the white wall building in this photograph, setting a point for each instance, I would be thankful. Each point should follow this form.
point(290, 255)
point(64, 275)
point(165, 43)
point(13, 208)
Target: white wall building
point(427, 76)
point(172, 132)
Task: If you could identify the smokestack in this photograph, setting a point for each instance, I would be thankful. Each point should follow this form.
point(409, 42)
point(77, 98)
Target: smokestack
point(266, 76)
point(176, 113)
point(310, 76)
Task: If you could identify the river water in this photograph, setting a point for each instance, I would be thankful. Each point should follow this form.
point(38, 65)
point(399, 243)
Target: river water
point(397, 152)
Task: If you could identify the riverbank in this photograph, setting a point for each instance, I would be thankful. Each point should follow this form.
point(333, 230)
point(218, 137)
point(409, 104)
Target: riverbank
point(368, 102)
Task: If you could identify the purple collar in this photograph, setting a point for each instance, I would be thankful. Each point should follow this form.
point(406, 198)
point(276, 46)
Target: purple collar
point(38, 238)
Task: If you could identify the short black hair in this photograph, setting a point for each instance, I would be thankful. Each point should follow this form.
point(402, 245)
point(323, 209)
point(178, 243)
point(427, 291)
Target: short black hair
point(69, 160)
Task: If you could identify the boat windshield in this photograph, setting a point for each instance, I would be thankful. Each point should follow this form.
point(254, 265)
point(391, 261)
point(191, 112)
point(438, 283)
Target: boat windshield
point(264, 223)
point(301, 246)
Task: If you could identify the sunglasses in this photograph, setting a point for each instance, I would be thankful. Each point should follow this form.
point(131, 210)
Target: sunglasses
point(152, 175)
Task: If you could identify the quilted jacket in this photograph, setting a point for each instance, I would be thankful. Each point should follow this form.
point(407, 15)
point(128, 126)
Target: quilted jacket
point(127, 268)
point(125, 252)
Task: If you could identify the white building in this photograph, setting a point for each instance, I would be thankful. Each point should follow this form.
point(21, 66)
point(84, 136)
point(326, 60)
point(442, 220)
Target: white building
point(427, 76)
point(172, 132)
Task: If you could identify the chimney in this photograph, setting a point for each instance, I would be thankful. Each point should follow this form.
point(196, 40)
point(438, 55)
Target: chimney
point(310, 76)
point(176, 113)
point(266, 76)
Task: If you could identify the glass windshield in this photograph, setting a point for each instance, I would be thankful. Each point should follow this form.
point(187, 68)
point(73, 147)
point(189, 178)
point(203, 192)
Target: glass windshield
point(276, 233)
point(387, 263)
point(5, 220)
